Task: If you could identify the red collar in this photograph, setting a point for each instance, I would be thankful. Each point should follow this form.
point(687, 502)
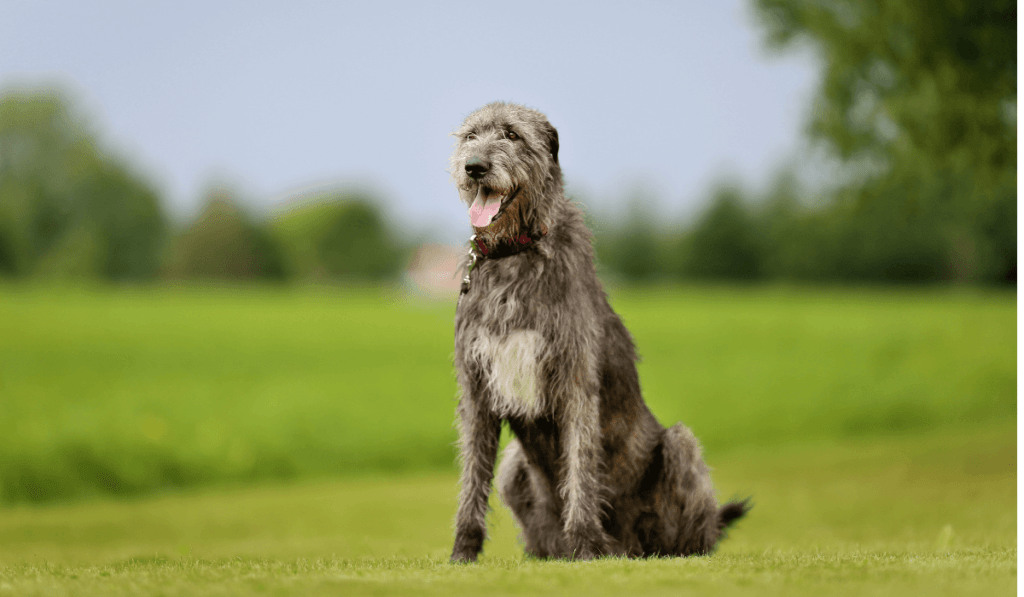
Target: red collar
point(504, 247)
point(478, 249)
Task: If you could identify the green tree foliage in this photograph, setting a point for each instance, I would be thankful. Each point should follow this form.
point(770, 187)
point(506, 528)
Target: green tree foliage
point(779, 237)
point(918, 99)
point(633, 250)
point(943, 72)
point(338, 236)
point(68, 209)
point(879, 241)
point(225, 243)
point(726, 242)
point(924, 93)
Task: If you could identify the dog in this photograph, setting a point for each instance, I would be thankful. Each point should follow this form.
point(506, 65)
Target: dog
point(590, 471)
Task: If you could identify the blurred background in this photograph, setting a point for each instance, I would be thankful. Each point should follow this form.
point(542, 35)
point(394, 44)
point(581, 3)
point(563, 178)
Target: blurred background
point(228, 235)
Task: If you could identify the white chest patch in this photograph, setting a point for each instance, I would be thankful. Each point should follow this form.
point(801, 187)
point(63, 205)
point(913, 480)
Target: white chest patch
point(513, 371)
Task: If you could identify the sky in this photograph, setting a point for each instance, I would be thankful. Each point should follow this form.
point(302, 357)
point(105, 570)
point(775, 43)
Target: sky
point(656, 100)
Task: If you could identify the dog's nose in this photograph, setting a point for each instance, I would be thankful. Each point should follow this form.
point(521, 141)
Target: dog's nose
point(476, 167)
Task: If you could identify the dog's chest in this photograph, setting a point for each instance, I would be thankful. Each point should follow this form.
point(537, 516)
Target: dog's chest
point(512, 365)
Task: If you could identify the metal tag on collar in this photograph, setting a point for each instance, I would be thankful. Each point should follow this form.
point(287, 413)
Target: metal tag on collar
point(469, 268)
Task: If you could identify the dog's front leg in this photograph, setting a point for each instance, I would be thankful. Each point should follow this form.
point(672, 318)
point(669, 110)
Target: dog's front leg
point(581, 483)
point(479, 431)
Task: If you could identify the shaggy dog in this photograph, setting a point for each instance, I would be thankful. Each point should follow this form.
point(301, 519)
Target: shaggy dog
point(590, 472)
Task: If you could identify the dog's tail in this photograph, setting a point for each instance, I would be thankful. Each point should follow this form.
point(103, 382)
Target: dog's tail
point(729, 513)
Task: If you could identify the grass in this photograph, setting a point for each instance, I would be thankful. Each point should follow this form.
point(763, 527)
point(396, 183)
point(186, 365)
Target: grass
point(135, 391)
point(929, 512)
point(148, 434)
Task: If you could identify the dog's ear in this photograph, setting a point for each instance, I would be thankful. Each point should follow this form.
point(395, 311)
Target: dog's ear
point(553, 142)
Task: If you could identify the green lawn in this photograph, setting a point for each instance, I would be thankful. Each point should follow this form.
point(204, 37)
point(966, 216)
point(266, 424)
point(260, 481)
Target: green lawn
point(133, 391)
point(925, 513)
point(184, 441)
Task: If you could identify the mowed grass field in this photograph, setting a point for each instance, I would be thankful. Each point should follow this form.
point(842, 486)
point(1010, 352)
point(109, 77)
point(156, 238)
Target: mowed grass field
point(921, 514)
point(227, 441)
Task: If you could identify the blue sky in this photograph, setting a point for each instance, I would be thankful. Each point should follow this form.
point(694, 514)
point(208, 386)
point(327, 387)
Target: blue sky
point(278, 98)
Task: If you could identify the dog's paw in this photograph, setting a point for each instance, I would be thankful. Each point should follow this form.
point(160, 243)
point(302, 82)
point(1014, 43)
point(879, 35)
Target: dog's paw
point(468, 545)
point(584, 555)
point(587, 543)
point(463, 557)
point(584, 549)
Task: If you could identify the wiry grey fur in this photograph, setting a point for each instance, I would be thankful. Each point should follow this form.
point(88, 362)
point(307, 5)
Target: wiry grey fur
point(590, 472)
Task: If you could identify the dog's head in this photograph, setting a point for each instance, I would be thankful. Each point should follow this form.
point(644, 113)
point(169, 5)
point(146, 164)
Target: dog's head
point(505, 163)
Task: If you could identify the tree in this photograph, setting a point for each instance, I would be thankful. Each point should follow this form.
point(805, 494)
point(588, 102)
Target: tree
point(224, 243)
point(339, 235)
point(725, 244)
point(68, 208)
point(925, 93)
point(634, 249)
point(943, 73)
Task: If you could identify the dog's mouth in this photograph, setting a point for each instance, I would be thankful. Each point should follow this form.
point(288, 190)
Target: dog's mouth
point(487, 205)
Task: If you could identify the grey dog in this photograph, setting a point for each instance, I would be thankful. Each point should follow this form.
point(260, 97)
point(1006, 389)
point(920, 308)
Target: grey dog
point(590, 472)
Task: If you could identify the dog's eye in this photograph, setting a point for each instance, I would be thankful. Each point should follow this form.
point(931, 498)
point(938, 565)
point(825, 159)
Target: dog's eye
point(470, 136)
point(512, 136)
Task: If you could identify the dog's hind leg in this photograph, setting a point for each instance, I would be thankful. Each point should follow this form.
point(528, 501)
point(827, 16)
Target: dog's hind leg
point(532, 502)
point(688, 495)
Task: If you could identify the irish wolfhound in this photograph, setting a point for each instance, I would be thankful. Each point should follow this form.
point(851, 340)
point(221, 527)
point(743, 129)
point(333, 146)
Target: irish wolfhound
point(590, 472)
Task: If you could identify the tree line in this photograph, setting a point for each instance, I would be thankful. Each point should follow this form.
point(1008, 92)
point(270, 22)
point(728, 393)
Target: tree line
point(784, 236)
point(70, 211)
point(918, 102)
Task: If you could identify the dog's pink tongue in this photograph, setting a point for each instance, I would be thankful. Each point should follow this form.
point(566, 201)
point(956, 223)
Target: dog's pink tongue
point(482, 212)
